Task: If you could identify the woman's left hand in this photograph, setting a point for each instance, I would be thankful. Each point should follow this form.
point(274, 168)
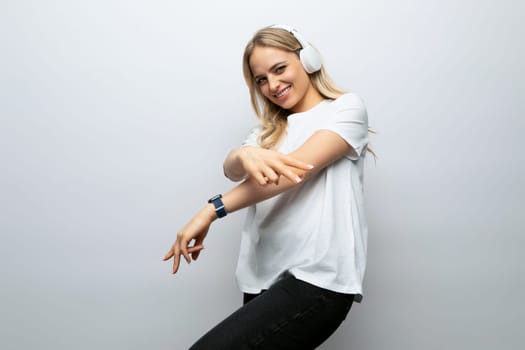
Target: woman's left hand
point(195, 230)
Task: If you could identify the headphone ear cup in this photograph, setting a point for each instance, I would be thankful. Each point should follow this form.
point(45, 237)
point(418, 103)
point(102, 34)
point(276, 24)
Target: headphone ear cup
point(311, 59)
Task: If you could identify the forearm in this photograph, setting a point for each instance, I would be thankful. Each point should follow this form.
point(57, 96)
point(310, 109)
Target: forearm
point(321, 149)
point(250, 192)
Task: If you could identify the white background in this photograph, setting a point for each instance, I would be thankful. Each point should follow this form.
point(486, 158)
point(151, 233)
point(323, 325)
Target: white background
point(116, 117)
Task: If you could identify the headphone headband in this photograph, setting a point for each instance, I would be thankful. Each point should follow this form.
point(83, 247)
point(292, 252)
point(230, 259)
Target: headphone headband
point(310, 57)
point(294, 32)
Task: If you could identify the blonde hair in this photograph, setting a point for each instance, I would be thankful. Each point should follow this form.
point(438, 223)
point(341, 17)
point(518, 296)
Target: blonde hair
point(272, 117)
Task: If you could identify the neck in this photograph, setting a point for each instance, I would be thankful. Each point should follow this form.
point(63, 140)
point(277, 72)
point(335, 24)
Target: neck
point(310, 100)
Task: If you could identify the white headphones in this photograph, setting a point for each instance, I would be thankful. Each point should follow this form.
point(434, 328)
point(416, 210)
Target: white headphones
point(310, 57)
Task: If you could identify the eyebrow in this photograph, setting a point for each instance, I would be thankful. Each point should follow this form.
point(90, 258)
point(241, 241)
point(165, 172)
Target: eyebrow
point(271, 68)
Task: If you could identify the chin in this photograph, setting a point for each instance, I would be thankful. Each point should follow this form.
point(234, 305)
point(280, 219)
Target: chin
point(289, 104)
point(292, 107)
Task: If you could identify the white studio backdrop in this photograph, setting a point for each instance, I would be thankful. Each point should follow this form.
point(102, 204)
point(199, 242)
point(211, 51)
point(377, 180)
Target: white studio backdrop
point(116, 117)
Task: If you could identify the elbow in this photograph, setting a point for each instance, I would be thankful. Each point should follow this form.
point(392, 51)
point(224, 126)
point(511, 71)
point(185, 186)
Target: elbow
point(232, 177)
point(229, 176)
point(231, 167)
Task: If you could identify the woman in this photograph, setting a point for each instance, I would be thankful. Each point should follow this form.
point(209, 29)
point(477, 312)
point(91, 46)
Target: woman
point(303, 249)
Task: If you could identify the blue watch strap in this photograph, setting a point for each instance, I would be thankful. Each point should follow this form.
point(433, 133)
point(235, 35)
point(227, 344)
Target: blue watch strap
point(219, 206)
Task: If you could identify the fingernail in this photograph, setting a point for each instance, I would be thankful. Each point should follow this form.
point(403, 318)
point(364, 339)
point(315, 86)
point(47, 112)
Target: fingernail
point(310, 166)
point(298, 179)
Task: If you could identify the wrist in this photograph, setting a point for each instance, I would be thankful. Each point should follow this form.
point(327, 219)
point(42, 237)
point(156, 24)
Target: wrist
point(240, 155)
point(209, 213)
point(218, 205)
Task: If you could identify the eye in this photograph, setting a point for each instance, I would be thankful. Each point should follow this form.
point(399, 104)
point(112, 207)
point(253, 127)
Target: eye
point(280, 69)
point(260, 81)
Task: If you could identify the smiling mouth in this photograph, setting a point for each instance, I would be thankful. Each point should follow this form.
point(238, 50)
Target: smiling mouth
point(283, 92)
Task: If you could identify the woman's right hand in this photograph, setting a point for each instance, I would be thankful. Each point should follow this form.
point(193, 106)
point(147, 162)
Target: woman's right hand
point(267, 166)
point(194, 231)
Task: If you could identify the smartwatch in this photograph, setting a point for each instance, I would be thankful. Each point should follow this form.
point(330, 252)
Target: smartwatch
point(219, 206)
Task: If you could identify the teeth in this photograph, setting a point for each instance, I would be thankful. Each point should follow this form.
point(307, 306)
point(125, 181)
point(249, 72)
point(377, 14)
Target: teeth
point(282, 93)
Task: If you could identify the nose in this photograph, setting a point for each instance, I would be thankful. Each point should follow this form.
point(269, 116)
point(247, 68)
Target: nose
point(273, 83)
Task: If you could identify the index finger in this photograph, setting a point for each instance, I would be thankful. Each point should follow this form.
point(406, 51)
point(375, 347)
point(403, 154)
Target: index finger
point(296, 163)
point(176, 260)
point(184, 250)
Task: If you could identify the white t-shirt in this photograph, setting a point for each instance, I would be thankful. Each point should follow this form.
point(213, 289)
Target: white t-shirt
point(316, 231)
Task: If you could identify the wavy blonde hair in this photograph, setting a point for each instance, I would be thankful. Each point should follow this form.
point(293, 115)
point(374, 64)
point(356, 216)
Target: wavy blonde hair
point(272, 117)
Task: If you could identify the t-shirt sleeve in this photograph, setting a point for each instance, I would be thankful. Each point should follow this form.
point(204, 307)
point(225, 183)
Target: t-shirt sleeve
point(350, 121)
point(251, 139)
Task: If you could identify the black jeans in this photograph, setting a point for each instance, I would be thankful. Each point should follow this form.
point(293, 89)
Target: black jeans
point(291, 314)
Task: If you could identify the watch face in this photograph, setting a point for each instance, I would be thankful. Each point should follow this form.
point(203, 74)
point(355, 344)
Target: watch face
point(217, 196)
